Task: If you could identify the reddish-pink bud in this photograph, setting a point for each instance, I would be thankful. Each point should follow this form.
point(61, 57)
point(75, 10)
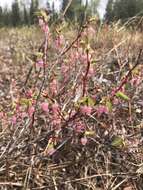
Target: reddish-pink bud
point(40, 63)
point(13, 120)
point(55, 108)
point(45, 107)
point(64, 69)
point(45, 28)
point(86, 110)
point(29, 93)
point(91, 71)
point(83, 141)
point(102, 109)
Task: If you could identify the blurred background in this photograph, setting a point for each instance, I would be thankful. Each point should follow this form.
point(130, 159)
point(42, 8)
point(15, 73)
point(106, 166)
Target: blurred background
point(21, 12)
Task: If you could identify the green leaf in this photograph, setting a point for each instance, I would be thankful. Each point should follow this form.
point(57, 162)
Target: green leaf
point(118, 142)
point(25, 102)
point(87, 101)
point(39, 55)
point(93, 62)
point(109, 105)
point(9, 114)
point(122, 95)
point(90, 101)
point(83, 100)
point(89, 133)
point(43, 14)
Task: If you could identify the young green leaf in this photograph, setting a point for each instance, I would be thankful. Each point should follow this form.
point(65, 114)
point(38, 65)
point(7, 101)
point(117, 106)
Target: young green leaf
point(109, 105)
point(117, 142)
point(122, 96)
point(90, 101)
point(25, 101)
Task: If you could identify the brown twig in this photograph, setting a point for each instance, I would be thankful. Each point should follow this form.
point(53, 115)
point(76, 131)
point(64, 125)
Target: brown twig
point(28, 75)
point(86, 73)
point(66, 8)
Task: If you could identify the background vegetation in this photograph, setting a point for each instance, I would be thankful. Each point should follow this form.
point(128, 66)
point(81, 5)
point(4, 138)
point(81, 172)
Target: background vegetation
point(23, 14)
point(123, 9)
